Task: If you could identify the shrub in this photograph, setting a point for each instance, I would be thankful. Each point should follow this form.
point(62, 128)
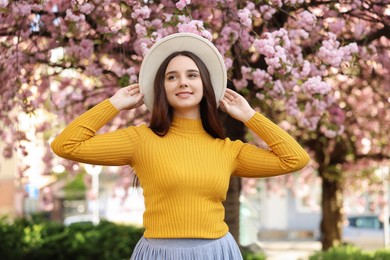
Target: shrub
point(248, 255)
point(35, 238)
point(350, 253)
point(11, 237)
point(31, 239)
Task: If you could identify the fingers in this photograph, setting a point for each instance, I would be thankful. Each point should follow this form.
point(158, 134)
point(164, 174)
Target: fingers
point(133, 86)
point(230, 94)
point(222, 105)
point(133, 89)
point(139, 96)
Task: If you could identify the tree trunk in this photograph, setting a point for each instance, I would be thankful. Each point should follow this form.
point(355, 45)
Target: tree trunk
point(232, 207)
point(234, 130)
point(332, 204)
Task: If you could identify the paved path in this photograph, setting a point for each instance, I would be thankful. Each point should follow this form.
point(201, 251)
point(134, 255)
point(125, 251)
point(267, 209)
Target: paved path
point(289, 250)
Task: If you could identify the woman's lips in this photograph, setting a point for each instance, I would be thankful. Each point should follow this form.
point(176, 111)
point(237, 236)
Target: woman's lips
point(184, 94)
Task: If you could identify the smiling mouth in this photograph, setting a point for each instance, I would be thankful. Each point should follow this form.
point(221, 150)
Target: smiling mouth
point(184, 94)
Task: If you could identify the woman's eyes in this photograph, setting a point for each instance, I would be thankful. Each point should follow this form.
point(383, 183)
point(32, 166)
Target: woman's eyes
point(191, 75)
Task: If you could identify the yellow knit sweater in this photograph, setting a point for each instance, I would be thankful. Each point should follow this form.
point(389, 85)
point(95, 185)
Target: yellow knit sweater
point(185, 174)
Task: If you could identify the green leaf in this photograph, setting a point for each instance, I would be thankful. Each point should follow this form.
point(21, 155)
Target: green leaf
point(124, 81)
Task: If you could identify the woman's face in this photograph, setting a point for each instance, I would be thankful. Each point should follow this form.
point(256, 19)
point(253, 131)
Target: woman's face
point(183, 87)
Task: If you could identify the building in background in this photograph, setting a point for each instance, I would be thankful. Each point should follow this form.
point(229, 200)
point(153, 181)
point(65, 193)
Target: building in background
point(10, 194)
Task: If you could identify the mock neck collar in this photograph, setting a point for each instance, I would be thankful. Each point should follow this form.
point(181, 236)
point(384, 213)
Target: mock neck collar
point(187, 125)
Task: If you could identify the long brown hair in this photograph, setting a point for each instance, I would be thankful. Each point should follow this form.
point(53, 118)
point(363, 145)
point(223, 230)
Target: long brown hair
point(162, 112)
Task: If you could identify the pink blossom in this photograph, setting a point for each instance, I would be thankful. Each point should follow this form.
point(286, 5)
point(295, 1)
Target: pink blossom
point(315, 85)
point(25, 34)
point(246, 39)
point(281, 53)
point(273, 63)
point(356, 4)
point(206, 34)
point(228, 63)
point(131, 70)
point(21, 9)
point(267, 12)
point(293, 2)
point(40, 56)
point(141, 13)
point(83, 50)
point(268, 51)
point(260, 96)
point(267, 40)
point(184, 19)
point(298, 33)
point(133, 78)
point(87, 8)
point(310, 122)
point(306, 20)
point(75, 96)
point(306, 68)
point(240, 84)
point(93, 70)
point(260, 78)
point(141, 46)
point(87, 48)
point(277, 89)
point(182, 4)
point(245, 17)
point(331, 54)
point(337, 26)
point(194, 26)
point(228, 35)
point(351, 48)
point(3, 3)
point(222, 47)
point(251, 6)
point(328, 132)
point(292, 106)
point(319, 105)
point(276, 54)
point(70, 16)
point(359, 30)
point(337, 115)
point(140, 30)
point(278, 3)
point(157, 23)
point(246, 72)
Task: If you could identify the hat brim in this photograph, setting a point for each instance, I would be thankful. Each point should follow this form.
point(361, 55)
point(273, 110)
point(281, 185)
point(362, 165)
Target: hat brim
point(196, 44)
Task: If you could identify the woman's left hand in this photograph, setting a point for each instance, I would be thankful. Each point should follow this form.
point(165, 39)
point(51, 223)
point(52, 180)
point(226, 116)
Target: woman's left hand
point(236, 106)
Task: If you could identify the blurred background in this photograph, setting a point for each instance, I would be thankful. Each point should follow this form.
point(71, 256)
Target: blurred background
point(319, 69)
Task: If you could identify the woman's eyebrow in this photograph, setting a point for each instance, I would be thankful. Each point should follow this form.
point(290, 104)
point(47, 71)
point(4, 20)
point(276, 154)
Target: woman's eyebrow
point(193, 70)
point(175, 71)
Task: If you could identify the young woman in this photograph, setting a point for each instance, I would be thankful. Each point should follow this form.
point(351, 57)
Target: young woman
point(182, 160)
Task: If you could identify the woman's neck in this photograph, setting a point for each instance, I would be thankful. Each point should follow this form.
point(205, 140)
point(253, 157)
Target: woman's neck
point(187, 125)
point(187, 113)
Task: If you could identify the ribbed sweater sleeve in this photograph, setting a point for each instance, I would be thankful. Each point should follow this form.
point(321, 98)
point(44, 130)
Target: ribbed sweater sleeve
point(79, 141)
point(285, 154)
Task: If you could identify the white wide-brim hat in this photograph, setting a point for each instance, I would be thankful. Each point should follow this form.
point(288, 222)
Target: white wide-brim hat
point(177, 42)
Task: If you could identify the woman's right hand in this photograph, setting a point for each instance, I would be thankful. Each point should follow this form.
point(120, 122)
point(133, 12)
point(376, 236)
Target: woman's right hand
point(127, 98)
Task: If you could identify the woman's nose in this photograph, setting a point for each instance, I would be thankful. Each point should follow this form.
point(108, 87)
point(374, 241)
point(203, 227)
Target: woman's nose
point(183, 83)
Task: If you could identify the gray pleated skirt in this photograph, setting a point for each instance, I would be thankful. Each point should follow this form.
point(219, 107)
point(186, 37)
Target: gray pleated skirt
point(224, 248)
